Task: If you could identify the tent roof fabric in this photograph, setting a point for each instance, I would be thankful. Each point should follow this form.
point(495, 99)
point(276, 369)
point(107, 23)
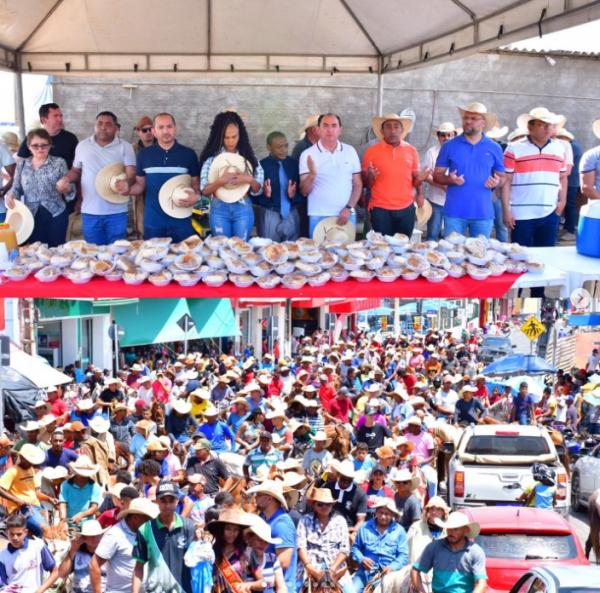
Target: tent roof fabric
point(35, 369)
point(109, 36)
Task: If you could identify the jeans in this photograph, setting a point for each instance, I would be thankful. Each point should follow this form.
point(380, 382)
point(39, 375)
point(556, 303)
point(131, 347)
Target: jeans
point(177, 229)
point(537, 232)
point(103, 229)
point(231, 220)
point(49, 229)
point(434, 224)
point(475, 227)
point(571, 210)
point(390, 222)
point(313, 221)
point(499, 226)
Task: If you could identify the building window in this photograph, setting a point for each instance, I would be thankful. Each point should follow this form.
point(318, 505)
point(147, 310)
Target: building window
point(85, 344)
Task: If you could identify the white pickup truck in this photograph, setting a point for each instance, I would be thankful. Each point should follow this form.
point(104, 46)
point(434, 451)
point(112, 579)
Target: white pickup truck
point(492, 466)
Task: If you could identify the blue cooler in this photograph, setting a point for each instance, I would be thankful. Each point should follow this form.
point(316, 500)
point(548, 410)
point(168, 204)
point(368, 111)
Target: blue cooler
point(588, 229)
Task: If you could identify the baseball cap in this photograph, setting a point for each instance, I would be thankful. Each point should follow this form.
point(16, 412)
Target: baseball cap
point(167, 489)
point(202, 444)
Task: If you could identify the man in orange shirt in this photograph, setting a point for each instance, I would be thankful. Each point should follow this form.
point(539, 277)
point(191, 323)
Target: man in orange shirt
point(391, 171)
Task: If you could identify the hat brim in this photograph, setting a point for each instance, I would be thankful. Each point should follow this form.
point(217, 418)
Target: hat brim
point(596, 128)
point(222, 163)
point(474, 528)
point(102, 183)
point(36, 458)
point(20, 220)
point(497, 133)
point(423, 214)
point(165, 196)
point(524, 119)
point(127, 512)
point(329, 230)
point(262, 490)
point(377, 124)
point(490, 118)
point(86, 473)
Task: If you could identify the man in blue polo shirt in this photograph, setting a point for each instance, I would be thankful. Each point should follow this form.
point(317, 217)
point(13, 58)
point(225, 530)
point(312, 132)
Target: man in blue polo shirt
point(157, 164)
point(471, 165)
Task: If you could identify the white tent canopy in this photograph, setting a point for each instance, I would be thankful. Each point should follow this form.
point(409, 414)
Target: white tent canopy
point(154, 36)
point(36, 369)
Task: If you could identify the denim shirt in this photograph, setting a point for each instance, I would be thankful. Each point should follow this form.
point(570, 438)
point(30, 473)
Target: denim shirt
point(387, 549)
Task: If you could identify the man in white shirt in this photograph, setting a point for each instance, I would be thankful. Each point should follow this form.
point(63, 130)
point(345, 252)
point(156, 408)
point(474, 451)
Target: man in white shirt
point(330, 175)
point(593, 360)
point(445, 398)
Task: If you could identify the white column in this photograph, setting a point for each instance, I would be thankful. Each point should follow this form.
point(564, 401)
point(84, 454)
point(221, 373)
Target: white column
point(12, 321)
point(101, 343)
point(70, 342)
point(256, 330)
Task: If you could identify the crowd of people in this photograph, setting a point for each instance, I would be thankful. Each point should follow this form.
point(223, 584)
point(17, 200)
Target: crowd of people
point(191, 472)
point(469, 182)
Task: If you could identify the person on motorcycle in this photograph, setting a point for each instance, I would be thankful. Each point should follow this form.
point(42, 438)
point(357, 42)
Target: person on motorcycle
point(542, 494)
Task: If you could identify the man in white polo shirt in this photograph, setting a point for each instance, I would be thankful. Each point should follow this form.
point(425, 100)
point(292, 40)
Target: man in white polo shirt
point(102, 221)
point(330, 175)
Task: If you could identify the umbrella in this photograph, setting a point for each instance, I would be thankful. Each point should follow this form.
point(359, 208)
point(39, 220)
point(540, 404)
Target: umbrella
point(519, 364)
point(536, 389)
point(592, 397)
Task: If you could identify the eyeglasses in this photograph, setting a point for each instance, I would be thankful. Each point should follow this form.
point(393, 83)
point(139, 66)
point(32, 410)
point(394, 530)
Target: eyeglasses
point(145, 130)
point(39, 146)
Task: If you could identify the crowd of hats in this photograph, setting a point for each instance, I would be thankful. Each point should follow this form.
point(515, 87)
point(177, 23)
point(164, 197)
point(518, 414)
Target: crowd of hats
point(218, 259)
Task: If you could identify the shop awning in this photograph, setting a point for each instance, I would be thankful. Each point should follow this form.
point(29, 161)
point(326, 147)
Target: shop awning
point(154, 321)
point(591, 319)
point(355, 305)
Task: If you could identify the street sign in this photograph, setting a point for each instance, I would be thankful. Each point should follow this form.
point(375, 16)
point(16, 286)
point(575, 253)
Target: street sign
point(111, 331)
point(533, 328)
point(4, 351)
point(186, 323)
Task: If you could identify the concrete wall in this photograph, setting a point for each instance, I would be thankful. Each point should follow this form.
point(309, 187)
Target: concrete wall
point(507, 84)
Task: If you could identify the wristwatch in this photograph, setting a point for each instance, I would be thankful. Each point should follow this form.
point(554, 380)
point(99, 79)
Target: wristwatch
point(351, 208)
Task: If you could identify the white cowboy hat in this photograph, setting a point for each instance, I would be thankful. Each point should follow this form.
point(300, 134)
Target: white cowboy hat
point(383, 502)
point(291, 463)
point(423, 214)
point(564, 133)
point(329, 230)
point(346, 469)
point(497, 132)
point(458, 519)
point(277, 412)
point(29, 426)
point(20, 219)
point(293, 480)
point(106, 183)
point(404, 475)
point(31, 453)
point(211, 411)
point(446, 127)
point(91, 528)
point(310, 122)
point(539, 113)
point(437, 501)
point(232, 162)
point(182, 406)
point(173, 190)
point(517, 134)
point(99, 424)
point(321, 436)
point(263, 530)
point(377, 124)
point(273, 488)
point(83, 466)
point(201, 394)
point(140, 506)
point(47, 419)
point(84, 404)
point(596, 128)
point(481, 109)
point(55, 473)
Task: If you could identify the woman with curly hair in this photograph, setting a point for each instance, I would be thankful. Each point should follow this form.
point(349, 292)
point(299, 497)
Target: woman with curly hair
point(228, 134)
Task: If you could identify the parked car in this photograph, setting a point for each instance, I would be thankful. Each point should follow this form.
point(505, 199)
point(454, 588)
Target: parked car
point(585, 479)
point(492, 466)
point(494, 347)
point(559, 579)
point(517, 539)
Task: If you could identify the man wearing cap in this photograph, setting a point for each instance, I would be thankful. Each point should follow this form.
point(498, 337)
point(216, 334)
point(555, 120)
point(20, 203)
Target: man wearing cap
point(380, 545)
point(208, 464)
point(216, 431)
point(103, 222)
point(317, 458)
point(351, 500)
point(458, 563)
point(309, 135)
point(330, 175)
point(160, 546)
point(390, 169)
point(471, 166)
point(157, 164)
point(264, 454)
point(57, 454)
point(437, 192)
point(114, 553)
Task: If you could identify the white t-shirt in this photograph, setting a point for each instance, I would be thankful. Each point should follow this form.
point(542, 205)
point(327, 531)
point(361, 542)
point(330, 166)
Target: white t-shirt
point(592, 364)
point(116, 547)
point(332, 187)
point(446, 399)
point(24, 568)
point(435, 194)
point(90, 157)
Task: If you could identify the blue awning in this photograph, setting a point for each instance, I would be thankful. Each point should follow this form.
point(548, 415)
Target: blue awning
point(590, 319)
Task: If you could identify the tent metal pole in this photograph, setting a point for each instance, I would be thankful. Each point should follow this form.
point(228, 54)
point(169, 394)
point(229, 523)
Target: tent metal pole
point(379, 93)
point(19, 102)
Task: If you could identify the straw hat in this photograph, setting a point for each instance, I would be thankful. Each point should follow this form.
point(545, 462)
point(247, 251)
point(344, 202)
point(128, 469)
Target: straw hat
point(481, 109)
point(596, 128)
point(20, 220)
point(446, 127)
point(377, 124)
point(404, 475)
point(541, 114)
point(564, 133)
point(11, 140)
point(202, 394)
point(322, 495)
point(329, 230)
point(29, 426)
point(83, 466)
point(55, 473)
point(386, 503)
point(346, 469)
point(171, 192)
point(291, 463)
point(91, 528)
point(277, 412)
point(321, 436)
point(233, 517)
point(439, 502)
point(117, 489)
point(33, 454)
point(293, 481)
point(156, 445)
point(234, 163)
point(182, 406)
point(84, 404)
point(263, 530)
point(47, 420)
point(310, 122)
point(423, 214)
point(517, 134)
point(140, 506)
point(106, 183)
point(211, 411)
point(497, 132)
point(144, 424)
point(273, 488)
point(99, 424)
point(457, 520)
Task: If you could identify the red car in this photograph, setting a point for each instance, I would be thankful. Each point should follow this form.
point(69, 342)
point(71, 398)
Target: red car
point(515, 539)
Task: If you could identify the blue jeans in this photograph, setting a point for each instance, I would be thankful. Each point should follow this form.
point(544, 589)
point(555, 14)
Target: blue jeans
point(475, 227)
point(103, 229)
point(231, 220)
point(176, 228)
point(434, 224)
point(499, 226)
point(537, 232)
point(571, 209)
point(313, 221)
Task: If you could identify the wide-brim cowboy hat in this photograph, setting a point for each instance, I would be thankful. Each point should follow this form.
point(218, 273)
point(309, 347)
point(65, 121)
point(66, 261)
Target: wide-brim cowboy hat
point(99, 425)
point(91, 528)
point(517, 134)
point(83, 466)
point(182, 406)
point(386, 503)
point(456, 520)
point(20, 219)
point(106, 183)
point(310, 122)
point(59, 472)
point(84, 404)
point(596, 128)
point(541, 114)
point(273, 488)
point(377, 124)
point(232, 162)
point(481, 109)
point(423, 214)
point(497, 132)
point(321, 495)
point(171, 191)
point(262, 529)
point(329, 230)
point(140, 506)
point(404, 475)
point(30, 425)
point(232, 517)
point(447, 127)
point(564, 133)
point(346, 469)
point(33, 454)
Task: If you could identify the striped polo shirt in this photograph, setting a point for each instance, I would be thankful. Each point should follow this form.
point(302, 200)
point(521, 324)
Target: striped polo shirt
point(535, 177)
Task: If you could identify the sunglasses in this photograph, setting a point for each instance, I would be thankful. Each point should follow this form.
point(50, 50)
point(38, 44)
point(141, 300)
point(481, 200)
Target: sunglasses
point(145, 130)
point(39, 146)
